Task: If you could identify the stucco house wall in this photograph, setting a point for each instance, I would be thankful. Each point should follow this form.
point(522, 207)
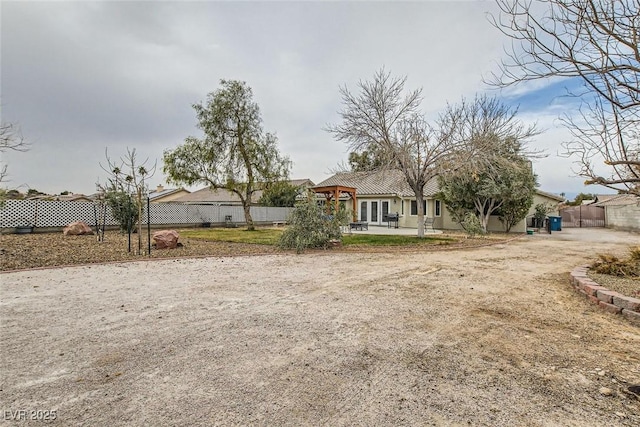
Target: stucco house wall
point(389, 187)
point(622, 212)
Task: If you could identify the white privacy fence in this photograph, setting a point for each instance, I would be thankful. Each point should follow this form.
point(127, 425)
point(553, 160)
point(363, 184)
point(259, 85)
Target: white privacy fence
point(42, 213)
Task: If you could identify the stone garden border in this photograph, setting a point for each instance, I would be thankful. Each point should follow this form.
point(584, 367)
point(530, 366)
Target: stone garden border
point(610, 301)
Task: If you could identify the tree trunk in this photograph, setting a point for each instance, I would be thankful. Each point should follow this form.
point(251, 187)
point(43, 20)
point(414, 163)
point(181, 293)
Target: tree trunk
point(419, 206)
point(246, 205)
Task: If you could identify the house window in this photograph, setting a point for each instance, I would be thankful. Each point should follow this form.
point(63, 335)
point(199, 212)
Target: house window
point(414, 207)
point(363, 211)
point(438, 208)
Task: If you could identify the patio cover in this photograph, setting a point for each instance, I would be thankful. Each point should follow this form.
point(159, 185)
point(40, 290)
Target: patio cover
point(334, 192)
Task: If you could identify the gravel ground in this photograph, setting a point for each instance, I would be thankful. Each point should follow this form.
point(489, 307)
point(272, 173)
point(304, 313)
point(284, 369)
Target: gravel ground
point(486, 336)
point(55, 249)
point(629, 286)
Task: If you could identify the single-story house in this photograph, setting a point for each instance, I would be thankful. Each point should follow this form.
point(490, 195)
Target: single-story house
point(379, 193)
point(223, 197)
point(621, 211)
point(162, 195)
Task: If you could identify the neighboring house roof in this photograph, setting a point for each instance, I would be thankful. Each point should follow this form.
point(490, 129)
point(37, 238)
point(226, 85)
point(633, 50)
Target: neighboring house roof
point(550, 195)
point(73, 198)
point(304, 182)
point(62, 198)
point(619, 200)
point(222, 196)
point(378, 183)
point(213, 196)
point(604, 197)
point(160, 192)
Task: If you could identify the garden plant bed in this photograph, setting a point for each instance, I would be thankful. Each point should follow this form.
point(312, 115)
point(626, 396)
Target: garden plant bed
point(629, 286)
point(54, 249)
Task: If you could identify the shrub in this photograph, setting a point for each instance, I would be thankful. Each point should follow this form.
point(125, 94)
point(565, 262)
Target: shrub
point(472, 225)
point(124, 209)
point(309, 227)
point(614, 266)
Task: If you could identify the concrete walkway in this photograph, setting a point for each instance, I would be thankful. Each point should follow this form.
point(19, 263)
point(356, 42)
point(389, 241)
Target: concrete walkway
point(384, 230)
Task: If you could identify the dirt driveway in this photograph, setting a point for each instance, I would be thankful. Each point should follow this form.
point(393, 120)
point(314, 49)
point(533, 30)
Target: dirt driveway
point(491, 336)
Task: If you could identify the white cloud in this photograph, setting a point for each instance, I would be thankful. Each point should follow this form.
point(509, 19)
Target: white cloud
point(82, 76)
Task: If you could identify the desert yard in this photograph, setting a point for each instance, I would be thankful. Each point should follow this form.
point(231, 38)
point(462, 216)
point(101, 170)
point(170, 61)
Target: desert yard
point(477, 336)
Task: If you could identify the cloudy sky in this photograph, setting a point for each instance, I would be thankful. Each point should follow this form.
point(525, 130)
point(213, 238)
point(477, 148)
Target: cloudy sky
point(82, 77)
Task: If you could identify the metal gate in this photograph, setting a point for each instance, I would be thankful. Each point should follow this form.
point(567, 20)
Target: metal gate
point(583, 216)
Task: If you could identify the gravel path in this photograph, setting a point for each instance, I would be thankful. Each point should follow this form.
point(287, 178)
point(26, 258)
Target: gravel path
point(486, 336)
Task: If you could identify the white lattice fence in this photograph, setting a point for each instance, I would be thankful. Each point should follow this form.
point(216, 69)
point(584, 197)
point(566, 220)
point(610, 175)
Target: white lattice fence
point(41, 213)
point(44, 213)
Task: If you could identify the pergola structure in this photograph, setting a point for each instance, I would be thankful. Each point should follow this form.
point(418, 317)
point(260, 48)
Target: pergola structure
point(334, 192)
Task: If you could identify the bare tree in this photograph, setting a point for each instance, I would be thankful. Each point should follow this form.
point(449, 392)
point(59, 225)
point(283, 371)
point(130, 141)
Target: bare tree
point(128, 177)
point(385, 119)
point(10, 139)
point(596, 41)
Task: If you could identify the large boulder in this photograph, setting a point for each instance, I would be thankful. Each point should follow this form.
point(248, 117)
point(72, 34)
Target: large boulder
point(165, 239)
point(77, 228)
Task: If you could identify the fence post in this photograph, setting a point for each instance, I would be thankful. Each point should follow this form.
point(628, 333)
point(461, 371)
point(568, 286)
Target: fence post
point(148, 227)
point(580, 221)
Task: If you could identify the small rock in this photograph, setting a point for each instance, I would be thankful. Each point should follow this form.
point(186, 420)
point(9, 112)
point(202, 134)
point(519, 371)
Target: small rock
point(602, 373)
point(621, 415)
point(606, 391)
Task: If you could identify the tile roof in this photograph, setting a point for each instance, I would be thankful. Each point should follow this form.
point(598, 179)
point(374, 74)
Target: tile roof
point(165, 192)
point(221, 195)
point(550, 195)
point(390, 182)
point(619, 200)
point(208, 195)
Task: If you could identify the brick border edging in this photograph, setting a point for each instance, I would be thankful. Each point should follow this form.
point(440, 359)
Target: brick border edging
point(610, 301)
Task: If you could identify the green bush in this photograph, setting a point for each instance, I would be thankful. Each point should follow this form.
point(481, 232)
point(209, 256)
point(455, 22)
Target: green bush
point(472, 225)
point(124, 209)
point(310, 227)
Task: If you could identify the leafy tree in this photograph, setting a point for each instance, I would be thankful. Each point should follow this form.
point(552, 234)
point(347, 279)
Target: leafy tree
point(500, 172)
point(580, 198)
point(235, 153)
point(596, 42)
point(14, 195)
point(386, 123)
point(504, 188)
point(33, 192)
point(123, 208)
point(367, 160)
point(309, 226)
point(280, 194)
point(516, 208)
